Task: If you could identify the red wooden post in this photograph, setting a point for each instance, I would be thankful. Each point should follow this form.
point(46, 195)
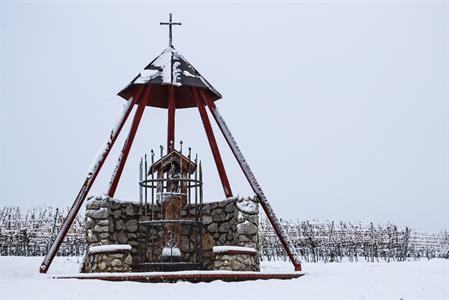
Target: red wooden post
point(283, 237)
point(128, 143)
point(85, 188)
point(213, 143)
point(171, 119)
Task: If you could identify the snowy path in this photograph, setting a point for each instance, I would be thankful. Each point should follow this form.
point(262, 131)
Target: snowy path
point(410, 280)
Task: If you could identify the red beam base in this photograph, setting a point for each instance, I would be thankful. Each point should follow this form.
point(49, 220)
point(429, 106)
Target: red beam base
point(192, 276)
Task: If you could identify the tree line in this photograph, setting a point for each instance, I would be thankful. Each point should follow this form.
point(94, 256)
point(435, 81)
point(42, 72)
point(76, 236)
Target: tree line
point(332, 241)
point(31, 233)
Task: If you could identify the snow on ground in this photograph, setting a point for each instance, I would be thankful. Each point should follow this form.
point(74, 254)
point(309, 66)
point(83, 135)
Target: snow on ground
point(19, 279)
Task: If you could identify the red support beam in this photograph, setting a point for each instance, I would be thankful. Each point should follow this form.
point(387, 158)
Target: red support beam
point(282, 235)
point(85, 188)
point(192, 276)
point(213, 143)
point(171, 119)
point(128, 143)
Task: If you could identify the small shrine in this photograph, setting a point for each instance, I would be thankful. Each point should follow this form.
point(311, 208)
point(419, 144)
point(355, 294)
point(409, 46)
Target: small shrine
point(171, 227)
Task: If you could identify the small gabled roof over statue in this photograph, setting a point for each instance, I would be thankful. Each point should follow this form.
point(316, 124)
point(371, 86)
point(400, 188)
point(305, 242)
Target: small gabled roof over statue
point(174, 157)
point(171, 82)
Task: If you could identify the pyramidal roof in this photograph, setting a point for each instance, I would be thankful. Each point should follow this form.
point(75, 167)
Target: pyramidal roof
point(170, 68)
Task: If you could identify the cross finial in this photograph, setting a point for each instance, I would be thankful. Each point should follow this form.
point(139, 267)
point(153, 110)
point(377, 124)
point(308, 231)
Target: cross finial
point(170, 24)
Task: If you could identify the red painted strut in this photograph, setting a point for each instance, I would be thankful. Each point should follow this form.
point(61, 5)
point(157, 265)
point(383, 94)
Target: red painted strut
point(127, 146)
point(213, 143)
point(85, 188)
point(171, 119)
point(283, 237)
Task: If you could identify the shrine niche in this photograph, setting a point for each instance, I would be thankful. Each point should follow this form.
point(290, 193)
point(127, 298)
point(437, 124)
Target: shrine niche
point(170, 213)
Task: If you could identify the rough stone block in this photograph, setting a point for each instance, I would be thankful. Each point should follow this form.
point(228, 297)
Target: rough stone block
point(89, 223)
point(128, 260)
point(132, 225)
point(243, 238)
point(216, 212)
point(207, 220)
point(253, 219)
point(247, 228)
point(117, 213)
point(222, 239)
point(98, 228)
point(212, 227)
point(97, 203)
point(129, 210)
point(236, 265)
point(229, 216)
point(219, 217)
point(103, 235)
point(91, 204)
point(133, 243)
point(120, 225)
point(103, 222)
point(241, 218)
point(91, 237)
point(121, 237)
point(229, 208)
point(206, 209)
point(101, 213)
point(116, 262)
point(230, 236)
point(115, 205)
point(102, 266)
point(224, 227)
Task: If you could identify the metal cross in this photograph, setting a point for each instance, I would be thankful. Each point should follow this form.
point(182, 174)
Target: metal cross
point(170, 24)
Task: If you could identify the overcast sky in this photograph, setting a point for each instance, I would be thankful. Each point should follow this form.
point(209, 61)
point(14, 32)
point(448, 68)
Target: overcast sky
point(341, 108)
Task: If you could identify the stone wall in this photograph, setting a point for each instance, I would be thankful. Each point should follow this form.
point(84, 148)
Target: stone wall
point(233, 262)
point(232, 222)
point(108, 261)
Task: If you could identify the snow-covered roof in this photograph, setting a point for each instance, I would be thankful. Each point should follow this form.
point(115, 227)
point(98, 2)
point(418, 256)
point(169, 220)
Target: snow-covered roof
point(170, 68)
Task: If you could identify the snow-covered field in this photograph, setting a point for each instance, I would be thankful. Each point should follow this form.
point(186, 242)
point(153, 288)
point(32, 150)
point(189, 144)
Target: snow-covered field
point(19, 279)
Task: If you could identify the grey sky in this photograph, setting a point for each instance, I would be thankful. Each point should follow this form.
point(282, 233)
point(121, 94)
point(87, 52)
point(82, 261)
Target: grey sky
point(339, 107)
